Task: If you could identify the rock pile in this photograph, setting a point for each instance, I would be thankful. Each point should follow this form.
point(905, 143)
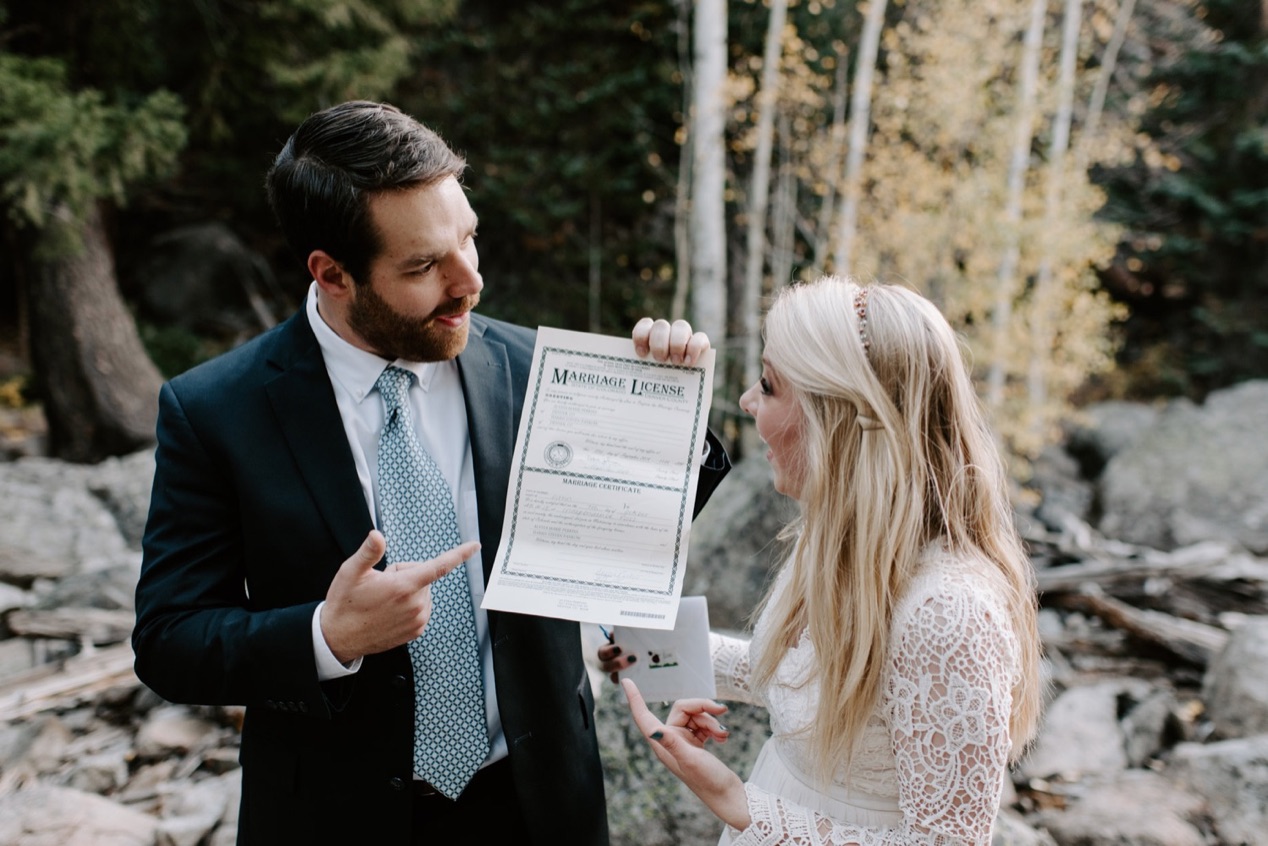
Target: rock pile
point(1147, 530)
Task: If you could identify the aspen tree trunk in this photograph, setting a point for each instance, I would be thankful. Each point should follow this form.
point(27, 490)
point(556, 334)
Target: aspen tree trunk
point(1006, 283)
point(1044, 300)
point(823, 227)
point(860, 122)
point(596, 261)
point(708, 206)
point(1096, 105)
point(682, 192)
point(759, 191)
point(784, 212)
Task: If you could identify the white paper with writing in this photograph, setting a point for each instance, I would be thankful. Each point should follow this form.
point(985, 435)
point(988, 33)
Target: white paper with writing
point(672, 664)
point(603, 479)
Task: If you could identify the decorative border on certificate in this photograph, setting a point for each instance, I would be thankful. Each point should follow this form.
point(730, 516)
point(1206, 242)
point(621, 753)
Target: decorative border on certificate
point(531, 411)
point(603, 477)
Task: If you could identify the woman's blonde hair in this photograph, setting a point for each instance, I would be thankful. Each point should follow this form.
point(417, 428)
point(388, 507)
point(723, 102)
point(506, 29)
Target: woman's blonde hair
point(895, 453)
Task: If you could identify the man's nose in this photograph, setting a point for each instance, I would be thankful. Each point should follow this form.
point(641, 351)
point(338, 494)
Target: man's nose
point(463, 278)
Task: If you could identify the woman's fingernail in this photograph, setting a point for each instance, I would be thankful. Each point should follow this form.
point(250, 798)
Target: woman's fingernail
point(616, 650)
point(723, 728)
point(657, 735)
point(633, 658)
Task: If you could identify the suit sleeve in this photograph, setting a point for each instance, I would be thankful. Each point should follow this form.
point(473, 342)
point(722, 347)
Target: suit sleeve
point(712, 471)
point(197, 638)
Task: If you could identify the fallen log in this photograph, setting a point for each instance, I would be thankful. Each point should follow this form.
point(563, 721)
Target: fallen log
point(1195, 642)
point(67, 684)
point(1189, 562)
point(101, 626)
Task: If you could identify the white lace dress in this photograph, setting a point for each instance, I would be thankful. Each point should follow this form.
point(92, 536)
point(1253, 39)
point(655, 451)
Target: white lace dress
point(934, 755)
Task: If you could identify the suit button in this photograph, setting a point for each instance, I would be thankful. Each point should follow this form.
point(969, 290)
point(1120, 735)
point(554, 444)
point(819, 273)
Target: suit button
point(399, 682)
point(396, 783)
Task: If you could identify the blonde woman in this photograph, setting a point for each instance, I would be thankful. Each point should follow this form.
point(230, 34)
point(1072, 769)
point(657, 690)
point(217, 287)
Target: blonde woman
point(896, 650)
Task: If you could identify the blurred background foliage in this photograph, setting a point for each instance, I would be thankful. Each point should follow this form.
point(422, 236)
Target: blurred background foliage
point(573, 115)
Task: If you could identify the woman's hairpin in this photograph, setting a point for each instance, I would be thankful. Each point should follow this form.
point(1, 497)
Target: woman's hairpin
point(860, 308)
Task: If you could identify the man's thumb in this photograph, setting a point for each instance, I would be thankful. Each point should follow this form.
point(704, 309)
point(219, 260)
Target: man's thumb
point(370, 552)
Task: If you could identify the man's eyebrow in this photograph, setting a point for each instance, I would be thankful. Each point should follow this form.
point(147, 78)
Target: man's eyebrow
point(423, 258)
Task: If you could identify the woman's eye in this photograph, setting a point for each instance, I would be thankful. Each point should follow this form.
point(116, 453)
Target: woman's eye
point(765, 386)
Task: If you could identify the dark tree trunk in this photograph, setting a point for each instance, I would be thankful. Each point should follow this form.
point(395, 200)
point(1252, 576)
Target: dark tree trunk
point(98, 385)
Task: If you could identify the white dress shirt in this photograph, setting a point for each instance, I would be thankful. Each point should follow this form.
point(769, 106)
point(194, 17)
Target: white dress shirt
point(440, 421)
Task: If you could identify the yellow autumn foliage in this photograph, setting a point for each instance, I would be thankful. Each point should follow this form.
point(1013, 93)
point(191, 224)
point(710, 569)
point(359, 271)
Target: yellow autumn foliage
point(944, 111)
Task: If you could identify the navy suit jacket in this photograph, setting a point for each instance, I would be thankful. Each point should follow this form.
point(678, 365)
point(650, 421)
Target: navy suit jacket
point(255, 504)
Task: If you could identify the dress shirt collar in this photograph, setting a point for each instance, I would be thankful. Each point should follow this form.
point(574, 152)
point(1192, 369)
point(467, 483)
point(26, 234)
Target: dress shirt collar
point(353, 368)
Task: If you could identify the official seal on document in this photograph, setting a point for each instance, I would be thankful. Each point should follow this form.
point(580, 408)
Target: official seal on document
point(558, 454)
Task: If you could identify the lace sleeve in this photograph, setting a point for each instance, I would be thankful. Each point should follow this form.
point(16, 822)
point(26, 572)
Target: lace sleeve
point(731, 669)
point(947, 703)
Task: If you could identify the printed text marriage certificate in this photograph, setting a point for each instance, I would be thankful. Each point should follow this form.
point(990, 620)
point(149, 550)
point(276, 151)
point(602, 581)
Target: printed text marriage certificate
point(603, 480)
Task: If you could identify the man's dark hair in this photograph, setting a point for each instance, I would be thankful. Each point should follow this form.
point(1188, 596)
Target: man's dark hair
point(322, 180)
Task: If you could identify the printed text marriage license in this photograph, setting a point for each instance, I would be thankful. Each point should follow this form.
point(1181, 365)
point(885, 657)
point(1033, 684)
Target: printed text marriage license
point(603, 480)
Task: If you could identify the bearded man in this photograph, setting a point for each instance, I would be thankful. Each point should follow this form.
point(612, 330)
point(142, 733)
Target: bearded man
point(327, 506)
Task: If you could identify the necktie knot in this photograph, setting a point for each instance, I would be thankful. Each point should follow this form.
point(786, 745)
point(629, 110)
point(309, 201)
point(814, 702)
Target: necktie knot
point(394, 384)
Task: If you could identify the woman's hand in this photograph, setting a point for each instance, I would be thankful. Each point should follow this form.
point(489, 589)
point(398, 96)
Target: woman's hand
point(612, 660)
point(672, 342)
point(679, 744)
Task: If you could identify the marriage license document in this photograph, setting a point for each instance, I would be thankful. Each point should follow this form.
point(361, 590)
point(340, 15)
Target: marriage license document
point(603, 481)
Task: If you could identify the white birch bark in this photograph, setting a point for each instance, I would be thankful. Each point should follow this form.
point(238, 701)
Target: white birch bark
point(1043, 305)
point(596, 261)
point(1006, 283)
point(860, 123)
point(759, 191)
point(823, 228)
point(1096, 105)
point(708, 207)
point(682, 192)
point(784, 210)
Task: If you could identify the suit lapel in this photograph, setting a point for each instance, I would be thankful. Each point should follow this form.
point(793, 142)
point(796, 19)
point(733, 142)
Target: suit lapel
point(486, 388)
point(304, 403)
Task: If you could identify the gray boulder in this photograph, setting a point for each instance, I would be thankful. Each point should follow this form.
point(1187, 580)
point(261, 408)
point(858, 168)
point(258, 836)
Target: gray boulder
point(1232, 776)
point(1235, 688)
point(1105, 429)
point(1135, 807)
point(1065, 496)
point(44, 815)
point(1081, 734)
point(53, 526)
point(733, 547)
point(203, 277)
point(1199, 473)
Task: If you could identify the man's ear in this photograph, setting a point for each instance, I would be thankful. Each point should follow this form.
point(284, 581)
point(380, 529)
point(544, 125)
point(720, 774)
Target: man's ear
point(334, 281)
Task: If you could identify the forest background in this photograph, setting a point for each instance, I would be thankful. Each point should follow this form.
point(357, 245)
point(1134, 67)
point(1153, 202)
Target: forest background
point(1080, 185)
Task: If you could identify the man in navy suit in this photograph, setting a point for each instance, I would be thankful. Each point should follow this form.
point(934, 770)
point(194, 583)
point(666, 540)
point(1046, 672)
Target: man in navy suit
point(263, 581)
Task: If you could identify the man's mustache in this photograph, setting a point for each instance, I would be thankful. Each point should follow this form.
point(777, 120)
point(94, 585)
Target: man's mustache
point(458, 306)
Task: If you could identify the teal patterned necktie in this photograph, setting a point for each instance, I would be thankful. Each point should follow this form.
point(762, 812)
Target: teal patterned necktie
point(418, 520)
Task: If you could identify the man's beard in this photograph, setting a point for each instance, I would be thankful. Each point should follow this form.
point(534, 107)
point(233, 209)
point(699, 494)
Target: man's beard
point(394, 335)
